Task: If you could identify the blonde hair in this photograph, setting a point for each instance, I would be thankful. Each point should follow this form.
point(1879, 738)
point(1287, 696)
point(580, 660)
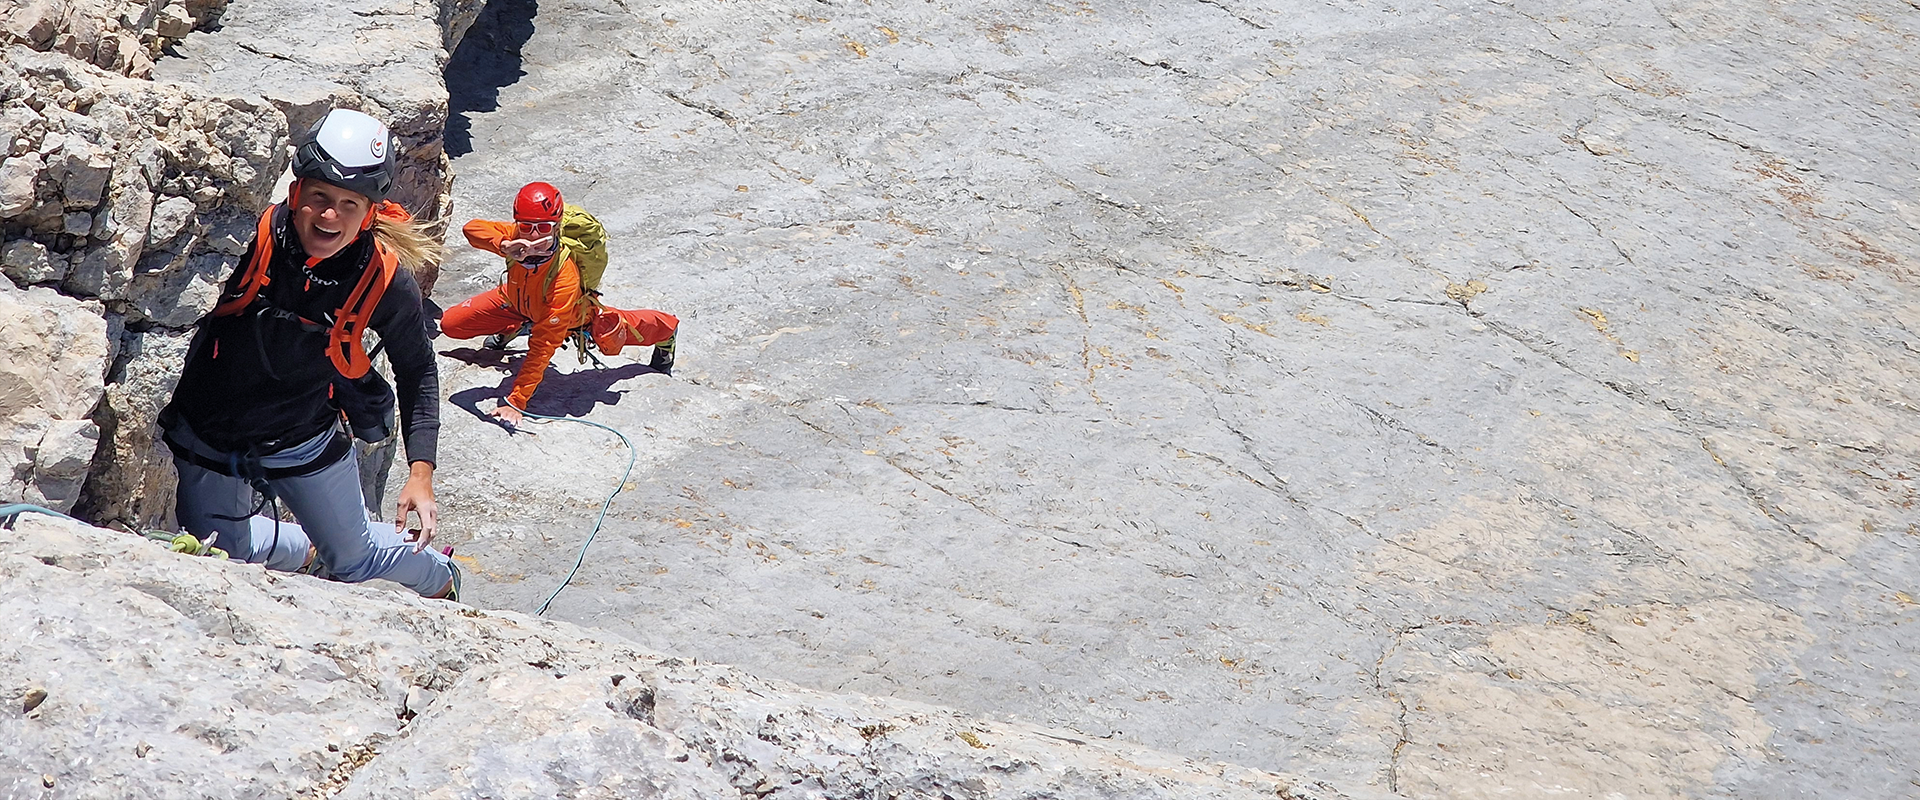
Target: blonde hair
point(409, 241)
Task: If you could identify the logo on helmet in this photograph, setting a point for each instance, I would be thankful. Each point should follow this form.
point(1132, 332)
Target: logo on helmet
point(538, 201)
point(380, 147)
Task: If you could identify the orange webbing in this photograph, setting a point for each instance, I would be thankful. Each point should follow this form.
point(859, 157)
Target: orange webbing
point(344, 345)
point(255, 278)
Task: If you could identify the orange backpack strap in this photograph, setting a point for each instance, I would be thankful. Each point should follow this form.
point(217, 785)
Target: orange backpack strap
point(344, 345)
point(255, 278)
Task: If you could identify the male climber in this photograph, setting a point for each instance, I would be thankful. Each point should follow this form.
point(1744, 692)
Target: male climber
point(544, 288)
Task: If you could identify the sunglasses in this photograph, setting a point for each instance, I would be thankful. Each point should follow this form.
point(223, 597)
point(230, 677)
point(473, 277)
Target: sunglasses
point(534, 228)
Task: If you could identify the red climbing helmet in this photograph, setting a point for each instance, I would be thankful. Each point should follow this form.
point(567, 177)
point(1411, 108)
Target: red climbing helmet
point(538, 202)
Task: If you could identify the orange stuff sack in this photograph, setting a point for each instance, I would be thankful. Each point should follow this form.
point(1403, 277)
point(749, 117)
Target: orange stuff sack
point(611, 332)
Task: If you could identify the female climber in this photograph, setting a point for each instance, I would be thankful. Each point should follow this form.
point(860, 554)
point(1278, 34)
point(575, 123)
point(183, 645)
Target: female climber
point(258, 407)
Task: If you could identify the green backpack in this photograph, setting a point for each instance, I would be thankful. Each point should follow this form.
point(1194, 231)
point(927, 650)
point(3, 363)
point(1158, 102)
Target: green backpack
point(586, 240)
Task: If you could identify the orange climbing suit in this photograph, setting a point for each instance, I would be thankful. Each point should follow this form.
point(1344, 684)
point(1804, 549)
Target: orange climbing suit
point(549, 296)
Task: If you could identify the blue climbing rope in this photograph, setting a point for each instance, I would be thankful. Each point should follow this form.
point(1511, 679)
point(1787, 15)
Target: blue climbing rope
point(11, 510)
point(179, 543)
point(632, 457)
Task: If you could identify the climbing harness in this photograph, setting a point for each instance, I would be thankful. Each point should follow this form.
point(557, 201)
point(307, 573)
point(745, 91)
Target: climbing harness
point(578, 338)
point(632, 457)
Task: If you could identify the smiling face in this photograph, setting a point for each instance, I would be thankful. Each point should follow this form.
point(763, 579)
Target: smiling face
point(327, 218)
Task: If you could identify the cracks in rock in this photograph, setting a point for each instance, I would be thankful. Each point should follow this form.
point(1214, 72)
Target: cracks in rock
point(1101, 256)
point(1624, 255)
point(1235, 14)
point(1568, 511)
point(1329, 196)
point(909, 472)
point(1629, 392)
point(259, 52)
point(1086, 342)
point(1402, 729)
point(1401, 738)
point(1730, 693)
point(1418, 301)
point(1613, 80)
point(1390, 423)
point(1721, 137)
point(1578, 620)
point(1759, 501)
point(1685, 420)
point(1162, 63)
point(1279, 488)
point(706, 108)
point(1155, 224)
point(989, 404)
point(351, 760)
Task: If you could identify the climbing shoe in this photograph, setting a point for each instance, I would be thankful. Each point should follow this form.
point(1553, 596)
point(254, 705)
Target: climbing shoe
point(453, 586)
point(499, 341)
point(662, 357)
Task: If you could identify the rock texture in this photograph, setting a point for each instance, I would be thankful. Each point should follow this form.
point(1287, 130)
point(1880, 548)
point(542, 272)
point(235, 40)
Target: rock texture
point(120, 36)
point(384, 57)
point(133, 200)
point(1462, 399)
point(136, 672)
point(1457, 399)
point(53, 359)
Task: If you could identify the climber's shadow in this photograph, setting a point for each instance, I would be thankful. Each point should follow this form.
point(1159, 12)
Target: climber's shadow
point(488, 58)
point(562, 394)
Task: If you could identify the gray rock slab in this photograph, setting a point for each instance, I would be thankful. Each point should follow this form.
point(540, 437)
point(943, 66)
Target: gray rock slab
point(380, 56)
point(1456, 399)
point(136, 672)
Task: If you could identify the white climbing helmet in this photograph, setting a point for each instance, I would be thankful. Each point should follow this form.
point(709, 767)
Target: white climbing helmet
point(350, 150)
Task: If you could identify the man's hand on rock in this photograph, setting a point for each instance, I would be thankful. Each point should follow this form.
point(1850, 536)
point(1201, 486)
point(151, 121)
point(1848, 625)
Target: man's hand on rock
point(508, 415)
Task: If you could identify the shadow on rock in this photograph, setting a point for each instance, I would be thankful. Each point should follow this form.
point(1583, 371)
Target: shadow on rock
point(562, 394)
point(487, 59)
point(491, 359)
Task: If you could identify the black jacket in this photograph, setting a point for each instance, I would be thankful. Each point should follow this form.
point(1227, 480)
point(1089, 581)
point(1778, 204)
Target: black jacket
point(257, 382)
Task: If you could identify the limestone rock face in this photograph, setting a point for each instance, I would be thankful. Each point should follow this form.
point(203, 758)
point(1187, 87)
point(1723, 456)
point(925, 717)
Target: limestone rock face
point(1465, 399)
point(132, 482)
point(384, 57)
point(171, 673)
point(119, 36)
point(92, 156)
point(53, 360)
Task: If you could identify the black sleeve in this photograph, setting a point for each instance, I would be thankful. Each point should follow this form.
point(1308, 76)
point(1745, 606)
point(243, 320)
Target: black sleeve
point(402, 325)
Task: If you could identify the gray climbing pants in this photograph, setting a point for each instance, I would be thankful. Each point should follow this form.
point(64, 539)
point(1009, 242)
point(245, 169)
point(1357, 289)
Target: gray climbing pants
point(328, 504)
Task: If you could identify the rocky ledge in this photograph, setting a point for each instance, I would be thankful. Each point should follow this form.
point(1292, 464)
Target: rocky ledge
point(136, 672)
